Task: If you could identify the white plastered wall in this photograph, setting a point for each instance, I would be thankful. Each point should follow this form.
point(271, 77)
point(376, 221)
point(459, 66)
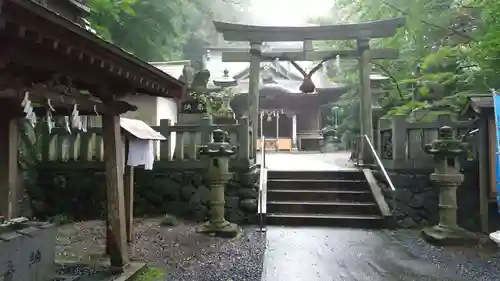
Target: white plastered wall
point(151, 110)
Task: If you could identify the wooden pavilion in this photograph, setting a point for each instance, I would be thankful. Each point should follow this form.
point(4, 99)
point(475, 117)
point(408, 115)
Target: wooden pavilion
point(53, 58)
point(481, 108)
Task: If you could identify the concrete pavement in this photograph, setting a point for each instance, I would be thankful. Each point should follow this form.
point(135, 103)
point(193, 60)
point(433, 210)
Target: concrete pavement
point(321, 254)
point(305, 161)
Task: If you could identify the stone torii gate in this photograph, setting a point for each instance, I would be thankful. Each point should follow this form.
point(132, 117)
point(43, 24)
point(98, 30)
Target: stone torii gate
point(361, 32)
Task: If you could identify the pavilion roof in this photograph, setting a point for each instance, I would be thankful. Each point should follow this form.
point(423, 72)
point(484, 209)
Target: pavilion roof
point(477, 104)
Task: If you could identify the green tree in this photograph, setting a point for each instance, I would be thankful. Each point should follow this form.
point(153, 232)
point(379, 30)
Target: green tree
point(150, 29)
point(441, 58)
point(157, 30)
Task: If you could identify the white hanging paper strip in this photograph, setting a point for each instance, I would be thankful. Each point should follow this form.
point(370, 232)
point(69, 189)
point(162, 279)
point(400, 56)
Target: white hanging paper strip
point(25, 99)
point(50, 124)
point(51, 108)
point(67, 124)
point(85, 123)
point(76, 122)
point(50, 120)
point(28, 109)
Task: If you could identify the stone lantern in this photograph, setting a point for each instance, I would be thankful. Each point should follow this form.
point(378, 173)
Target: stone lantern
point(218, 151)
point(331, 140)
point(447, 177)
point(225, 114)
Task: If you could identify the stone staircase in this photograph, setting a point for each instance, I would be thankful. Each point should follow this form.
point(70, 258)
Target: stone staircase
point(323, 198)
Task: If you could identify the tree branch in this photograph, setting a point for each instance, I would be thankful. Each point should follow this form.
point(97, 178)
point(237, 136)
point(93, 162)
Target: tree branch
point(386, 71)
point(454, 31)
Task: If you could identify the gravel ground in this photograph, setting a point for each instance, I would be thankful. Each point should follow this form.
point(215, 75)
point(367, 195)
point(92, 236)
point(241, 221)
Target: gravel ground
point(181, 252)
point(480, 263)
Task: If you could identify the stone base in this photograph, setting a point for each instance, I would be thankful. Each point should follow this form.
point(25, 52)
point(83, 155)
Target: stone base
point(225, 229)
point(448, 236)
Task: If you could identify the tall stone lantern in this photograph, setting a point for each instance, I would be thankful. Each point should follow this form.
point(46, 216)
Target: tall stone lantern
point(218, 151)
point(447, 177)
point(225, 114)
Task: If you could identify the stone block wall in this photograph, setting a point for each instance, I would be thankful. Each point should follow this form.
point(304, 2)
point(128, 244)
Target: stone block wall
point(80, 194)
point(416, 197)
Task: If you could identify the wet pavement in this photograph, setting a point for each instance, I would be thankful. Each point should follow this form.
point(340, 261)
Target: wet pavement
point(324, 254)
point(314, 254)
point(306, 161)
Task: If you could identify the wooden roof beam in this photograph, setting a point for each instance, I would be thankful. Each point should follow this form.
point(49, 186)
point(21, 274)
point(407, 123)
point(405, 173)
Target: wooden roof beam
point(145, 77)
point(65, 102)
point(252, 33)
point(42, 60)
point(244, 56)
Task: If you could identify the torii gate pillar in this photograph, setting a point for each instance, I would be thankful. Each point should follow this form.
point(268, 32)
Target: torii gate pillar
point(253, 93)
point(366, 116)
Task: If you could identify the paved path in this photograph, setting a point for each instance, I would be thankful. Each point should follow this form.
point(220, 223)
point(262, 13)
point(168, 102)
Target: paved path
point(324, 254)
point(306, 161)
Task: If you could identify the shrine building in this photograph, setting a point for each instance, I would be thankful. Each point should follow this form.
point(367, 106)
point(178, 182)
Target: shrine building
point(289, 120)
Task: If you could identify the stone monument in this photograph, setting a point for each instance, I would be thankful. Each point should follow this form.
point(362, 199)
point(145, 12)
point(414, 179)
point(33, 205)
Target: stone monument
point(218, 151)
point(447, 177)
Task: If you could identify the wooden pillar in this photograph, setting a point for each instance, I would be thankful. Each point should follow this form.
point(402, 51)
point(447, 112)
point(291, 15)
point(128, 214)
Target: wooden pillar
point(243, 139)
point(294, 132)
point(9, 171)
point(366, 117)
point(116, 234)
point(253, 91)
point(129, 195)
point(483, 147)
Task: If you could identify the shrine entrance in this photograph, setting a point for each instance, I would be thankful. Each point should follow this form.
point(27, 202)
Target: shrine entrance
point(362, 33)
point(278, 128)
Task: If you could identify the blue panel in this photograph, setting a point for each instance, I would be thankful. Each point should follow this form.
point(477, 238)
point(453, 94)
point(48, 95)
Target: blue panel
point(496, 102)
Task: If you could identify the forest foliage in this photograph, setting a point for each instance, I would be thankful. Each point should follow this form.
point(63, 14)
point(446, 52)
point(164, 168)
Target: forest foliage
point(159, 30)
point(449, 49)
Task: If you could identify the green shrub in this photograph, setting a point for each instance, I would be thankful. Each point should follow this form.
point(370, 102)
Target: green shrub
point(169, 220)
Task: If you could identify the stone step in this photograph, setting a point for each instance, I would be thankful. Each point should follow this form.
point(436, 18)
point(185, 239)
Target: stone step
point(281, 184)
point(336, 220)
point(317, 175)
point(299, 207)
point(329, 195)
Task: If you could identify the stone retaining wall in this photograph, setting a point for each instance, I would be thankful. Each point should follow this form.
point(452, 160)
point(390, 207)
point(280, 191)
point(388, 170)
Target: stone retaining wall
point(417, 198)
point(80, 194)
